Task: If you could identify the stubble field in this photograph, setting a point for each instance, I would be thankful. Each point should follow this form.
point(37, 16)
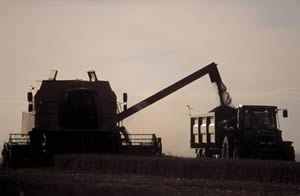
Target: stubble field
point(132, 175)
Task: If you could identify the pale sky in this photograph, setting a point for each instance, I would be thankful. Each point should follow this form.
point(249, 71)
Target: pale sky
point(144, 46)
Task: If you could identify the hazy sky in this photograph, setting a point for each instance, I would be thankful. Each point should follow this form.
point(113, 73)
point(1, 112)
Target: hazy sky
point(144, 46)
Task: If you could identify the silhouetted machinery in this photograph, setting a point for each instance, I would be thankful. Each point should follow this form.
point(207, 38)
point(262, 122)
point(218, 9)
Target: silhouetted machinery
point(248, 131)
point(75, 116)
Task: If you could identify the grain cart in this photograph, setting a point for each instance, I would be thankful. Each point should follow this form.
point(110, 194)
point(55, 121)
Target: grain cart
point(248, 131)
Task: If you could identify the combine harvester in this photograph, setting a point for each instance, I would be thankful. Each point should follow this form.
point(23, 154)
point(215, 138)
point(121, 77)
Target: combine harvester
point(75, 116)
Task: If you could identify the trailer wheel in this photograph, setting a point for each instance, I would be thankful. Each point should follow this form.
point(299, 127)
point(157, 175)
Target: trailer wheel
point(236, 152)
point(226, 148)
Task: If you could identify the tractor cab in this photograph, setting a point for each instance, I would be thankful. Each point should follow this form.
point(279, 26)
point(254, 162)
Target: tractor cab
point(257, 117)
point(259, 129)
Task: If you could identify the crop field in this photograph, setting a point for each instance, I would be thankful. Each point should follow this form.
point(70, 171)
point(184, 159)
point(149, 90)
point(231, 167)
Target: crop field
point(132, 175)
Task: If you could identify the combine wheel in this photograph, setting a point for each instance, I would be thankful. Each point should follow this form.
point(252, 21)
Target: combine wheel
point(6, 154)
point(226, 148)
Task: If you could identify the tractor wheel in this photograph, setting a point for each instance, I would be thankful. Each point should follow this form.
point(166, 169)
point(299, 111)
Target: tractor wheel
point(226, 148)
point(288, 152)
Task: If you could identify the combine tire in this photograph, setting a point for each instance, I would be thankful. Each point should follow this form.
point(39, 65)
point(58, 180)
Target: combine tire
point(226, 148)
point(5, 156)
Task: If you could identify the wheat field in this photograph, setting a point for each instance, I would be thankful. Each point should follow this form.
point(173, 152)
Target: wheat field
point(136, 175)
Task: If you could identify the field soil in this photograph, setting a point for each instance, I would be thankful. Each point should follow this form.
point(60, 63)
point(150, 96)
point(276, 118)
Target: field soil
point(115, 175)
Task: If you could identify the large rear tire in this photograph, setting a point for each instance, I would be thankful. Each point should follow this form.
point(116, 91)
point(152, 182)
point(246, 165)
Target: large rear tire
point(288, 152)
